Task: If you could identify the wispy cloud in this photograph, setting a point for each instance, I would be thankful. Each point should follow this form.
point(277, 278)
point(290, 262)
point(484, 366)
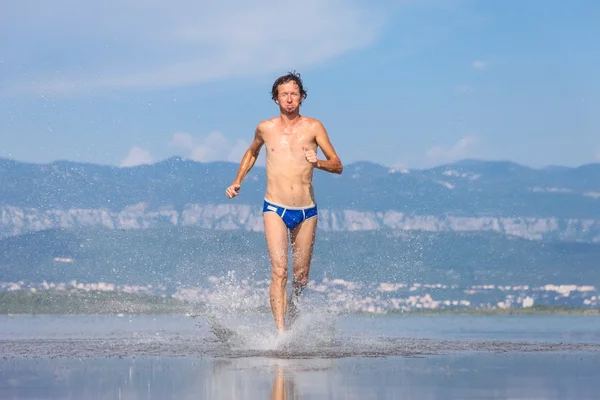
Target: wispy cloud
point(462, 149)
point(479, 64)
point(212, 147)
point(66, 46)
point(136, 156)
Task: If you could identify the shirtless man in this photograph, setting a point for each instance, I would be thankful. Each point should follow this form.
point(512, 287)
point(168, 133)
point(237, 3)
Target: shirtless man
point(289, 207)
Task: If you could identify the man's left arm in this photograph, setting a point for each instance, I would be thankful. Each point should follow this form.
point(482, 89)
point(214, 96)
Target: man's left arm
point(333, 163)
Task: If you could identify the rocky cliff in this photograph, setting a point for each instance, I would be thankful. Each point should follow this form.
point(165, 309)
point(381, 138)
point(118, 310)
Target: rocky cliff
point(16, 221)
point(550, 203)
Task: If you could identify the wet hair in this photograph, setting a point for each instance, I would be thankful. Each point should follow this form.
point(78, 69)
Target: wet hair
point(290, 76)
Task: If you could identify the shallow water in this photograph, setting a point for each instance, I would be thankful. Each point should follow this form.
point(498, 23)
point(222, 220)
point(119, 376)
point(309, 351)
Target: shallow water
point(474, 376)
point(353, 357)
point(544, 328)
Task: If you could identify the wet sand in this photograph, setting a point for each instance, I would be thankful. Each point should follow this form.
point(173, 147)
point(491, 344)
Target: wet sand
point(325, 336)
point(176, 346)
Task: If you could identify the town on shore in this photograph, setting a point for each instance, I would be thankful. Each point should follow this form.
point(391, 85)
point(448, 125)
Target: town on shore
point(335, 294)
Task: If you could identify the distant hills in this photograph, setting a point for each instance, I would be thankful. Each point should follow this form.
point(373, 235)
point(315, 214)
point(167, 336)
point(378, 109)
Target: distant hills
point(464, 188)
point(555, 203)
point(466, 222)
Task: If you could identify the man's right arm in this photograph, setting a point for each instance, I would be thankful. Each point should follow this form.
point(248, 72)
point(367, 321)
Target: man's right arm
point(250, 156)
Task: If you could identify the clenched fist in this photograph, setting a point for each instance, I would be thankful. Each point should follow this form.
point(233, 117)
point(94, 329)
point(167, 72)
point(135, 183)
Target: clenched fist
point(310, 155)
point(233, 190)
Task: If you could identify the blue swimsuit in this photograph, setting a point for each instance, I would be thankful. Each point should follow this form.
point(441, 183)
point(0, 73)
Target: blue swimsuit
point(291, 216)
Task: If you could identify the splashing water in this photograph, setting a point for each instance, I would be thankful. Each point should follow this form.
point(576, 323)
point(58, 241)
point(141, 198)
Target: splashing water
point(241, 319)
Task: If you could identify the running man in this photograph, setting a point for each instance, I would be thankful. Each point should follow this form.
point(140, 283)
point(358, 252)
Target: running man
point(291, 142)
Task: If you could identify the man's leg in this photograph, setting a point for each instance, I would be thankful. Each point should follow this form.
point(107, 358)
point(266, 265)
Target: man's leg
point(276, 234)
point(303, 240)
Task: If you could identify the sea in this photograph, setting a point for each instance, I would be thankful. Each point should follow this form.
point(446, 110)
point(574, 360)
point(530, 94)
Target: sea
point(324, 355)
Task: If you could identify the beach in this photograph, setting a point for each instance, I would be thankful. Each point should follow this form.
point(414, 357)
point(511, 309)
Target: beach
point(327, 357)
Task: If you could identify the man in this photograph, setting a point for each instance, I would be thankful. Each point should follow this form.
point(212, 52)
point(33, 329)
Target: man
point(291, 141)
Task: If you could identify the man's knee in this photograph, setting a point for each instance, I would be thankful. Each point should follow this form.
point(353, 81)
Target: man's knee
point(301, 277)
point(279, 275)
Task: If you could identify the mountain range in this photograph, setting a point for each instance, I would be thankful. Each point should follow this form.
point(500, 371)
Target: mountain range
point(556, 203)
point(469, 222)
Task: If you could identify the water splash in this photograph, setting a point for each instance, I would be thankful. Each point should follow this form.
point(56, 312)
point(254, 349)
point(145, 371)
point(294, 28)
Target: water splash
point(239, 316)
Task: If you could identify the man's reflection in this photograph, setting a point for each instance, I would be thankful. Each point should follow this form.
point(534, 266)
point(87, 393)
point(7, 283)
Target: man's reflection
point(262, 377)
point(284, 385)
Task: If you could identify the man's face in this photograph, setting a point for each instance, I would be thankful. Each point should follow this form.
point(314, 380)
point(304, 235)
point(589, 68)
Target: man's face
point(288, 96)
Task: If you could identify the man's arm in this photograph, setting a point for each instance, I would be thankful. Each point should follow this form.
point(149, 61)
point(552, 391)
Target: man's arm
point(250, 156)
point(247, 163)
point(333, 163)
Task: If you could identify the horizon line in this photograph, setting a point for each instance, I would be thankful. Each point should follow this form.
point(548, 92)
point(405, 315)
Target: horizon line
point(392, 167)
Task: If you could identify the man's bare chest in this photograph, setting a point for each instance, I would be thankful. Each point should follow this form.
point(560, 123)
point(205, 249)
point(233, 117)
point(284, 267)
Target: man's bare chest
point(287, 142)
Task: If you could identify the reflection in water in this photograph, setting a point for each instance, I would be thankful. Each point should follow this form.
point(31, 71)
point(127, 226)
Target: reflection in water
point(284, 387)
point(472, 375)
point(272, 378)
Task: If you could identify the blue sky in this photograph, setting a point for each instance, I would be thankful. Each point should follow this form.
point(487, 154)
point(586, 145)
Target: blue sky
point(406, 83)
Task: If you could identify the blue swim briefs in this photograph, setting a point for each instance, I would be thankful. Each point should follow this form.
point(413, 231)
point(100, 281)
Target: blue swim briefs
point(291, 216)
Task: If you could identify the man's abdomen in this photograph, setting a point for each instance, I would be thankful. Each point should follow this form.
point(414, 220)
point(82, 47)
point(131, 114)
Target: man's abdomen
point(292, 193)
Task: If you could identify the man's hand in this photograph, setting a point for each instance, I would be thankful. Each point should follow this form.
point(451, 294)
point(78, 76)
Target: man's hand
point(233, 190)
point(310, 155)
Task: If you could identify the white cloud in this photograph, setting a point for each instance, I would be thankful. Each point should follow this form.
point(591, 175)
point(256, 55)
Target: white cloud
point(117, 44)
point(461, 149)
point(136, 156)
point(237, 151)
point(479, 64)
point(212, 147)
point(182, 140)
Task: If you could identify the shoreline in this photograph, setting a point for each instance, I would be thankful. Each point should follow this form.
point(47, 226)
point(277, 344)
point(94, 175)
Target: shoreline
point(115, 303)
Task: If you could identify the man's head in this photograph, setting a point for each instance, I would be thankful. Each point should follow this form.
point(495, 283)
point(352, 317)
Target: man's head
point(288, 89)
